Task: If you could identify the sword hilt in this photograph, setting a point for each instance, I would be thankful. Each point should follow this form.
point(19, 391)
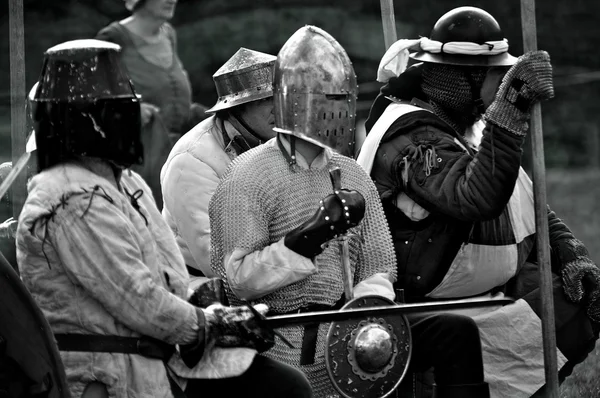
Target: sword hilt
point(336, 181)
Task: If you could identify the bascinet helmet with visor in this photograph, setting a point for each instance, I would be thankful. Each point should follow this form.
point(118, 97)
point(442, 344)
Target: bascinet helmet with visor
point(315, 91)
point(85, 105)
point(465, 36)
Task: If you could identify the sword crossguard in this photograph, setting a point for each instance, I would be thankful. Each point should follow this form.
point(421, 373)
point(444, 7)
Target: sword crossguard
point(261, 321)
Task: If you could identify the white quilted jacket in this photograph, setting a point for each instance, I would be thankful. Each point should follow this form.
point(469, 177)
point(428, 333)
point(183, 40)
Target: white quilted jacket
point(89, 277)
point(189, 179)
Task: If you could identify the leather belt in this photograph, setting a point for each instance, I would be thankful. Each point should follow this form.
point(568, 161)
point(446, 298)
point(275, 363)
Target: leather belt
point(145, 346)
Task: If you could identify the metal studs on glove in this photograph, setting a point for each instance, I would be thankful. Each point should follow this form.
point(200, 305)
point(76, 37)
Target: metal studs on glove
point(337, 213)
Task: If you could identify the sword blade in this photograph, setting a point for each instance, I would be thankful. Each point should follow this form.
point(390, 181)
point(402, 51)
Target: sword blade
point(14, 173)
point(19, 166)
point(280, 321)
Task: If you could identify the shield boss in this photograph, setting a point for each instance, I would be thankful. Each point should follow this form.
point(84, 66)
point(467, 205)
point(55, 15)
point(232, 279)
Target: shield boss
point(368, 357)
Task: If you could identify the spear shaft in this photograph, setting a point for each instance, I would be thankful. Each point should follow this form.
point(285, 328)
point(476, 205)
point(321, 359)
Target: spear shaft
point(528, 23)
point(389, 22)
point(18, 122)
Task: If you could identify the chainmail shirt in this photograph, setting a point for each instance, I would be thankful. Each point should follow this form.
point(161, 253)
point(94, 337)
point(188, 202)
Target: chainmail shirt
point(259, 200)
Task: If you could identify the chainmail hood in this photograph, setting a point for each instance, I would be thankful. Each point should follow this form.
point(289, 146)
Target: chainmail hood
point(451, 89)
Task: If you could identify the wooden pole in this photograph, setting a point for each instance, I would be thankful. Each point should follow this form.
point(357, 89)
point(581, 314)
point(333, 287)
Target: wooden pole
point(389, 22)
point(541, 216)
point(18, 119)
point(594, 146)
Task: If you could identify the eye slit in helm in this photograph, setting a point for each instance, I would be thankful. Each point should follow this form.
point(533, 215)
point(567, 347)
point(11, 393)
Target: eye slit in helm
point(466, 36)
point(315, 91)
point(85, 105)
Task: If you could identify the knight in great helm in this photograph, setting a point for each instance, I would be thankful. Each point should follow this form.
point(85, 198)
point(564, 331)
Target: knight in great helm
point(276, 219)
point(444, 149)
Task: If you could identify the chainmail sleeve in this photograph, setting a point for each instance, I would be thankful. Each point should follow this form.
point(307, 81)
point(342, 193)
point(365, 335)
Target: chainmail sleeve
point(238, 215)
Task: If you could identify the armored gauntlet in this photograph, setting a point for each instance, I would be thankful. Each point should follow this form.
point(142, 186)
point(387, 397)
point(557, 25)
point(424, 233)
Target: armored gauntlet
point(528, 81)
point(228, 327)
point(581, 277)
point(337, 213)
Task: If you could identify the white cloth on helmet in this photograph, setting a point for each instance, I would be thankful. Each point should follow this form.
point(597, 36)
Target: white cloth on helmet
point(464, 47)
point(395, 59)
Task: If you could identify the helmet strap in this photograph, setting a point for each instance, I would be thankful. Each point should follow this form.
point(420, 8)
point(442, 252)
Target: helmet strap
point(291, 156)
point(249, 136)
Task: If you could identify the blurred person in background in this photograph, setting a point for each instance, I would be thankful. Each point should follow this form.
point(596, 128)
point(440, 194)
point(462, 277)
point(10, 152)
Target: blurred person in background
point(149, 52)
point(241, 119)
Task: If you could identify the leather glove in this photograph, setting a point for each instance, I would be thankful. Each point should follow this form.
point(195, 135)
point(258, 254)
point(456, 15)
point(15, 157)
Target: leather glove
point(337, 213)
point(581, 277)
point(528, 81)
point(239, 327)
point(210, 292)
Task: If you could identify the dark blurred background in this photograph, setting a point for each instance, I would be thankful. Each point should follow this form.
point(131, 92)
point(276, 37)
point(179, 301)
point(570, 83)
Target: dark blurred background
point(210, 31)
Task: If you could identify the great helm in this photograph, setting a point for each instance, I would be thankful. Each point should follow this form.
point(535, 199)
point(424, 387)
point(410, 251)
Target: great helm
point(247, 76)
point(315, 90)
point(85, 105)
point(466, 36)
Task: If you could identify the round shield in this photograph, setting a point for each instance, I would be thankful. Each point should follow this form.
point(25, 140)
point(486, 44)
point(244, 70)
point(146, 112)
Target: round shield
point(368, 357)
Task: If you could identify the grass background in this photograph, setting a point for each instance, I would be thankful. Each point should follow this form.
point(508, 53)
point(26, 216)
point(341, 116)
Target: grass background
point(574, 195)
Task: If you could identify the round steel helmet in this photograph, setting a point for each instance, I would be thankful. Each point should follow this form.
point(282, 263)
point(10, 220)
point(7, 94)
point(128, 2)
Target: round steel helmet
point(315, 91)
point(466, 36)
point(85, 105)
point(247, 76)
